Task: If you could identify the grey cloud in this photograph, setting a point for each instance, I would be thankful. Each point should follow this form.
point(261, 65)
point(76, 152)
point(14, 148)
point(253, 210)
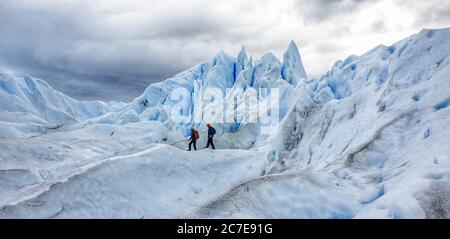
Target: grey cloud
point(379, 25)
point(49, 40)
point(325, 10)
point(438, 12)
point(326, 48)
point(94, 87)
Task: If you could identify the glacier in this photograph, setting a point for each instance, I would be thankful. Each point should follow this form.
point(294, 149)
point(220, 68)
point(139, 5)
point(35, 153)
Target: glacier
point(368, 139)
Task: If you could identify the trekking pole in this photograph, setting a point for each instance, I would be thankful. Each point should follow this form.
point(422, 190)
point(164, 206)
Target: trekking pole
point(179, 142)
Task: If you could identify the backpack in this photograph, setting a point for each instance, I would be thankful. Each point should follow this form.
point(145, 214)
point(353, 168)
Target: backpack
point(196, 135)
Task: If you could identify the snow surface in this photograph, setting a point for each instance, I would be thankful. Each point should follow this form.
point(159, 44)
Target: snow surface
point(369, 139)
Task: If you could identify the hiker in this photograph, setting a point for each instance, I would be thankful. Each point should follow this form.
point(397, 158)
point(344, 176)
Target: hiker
point(193, 139)
point(211, 133)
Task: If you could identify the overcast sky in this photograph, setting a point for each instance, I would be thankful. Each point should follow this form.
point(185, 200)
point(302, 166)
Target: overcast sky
point(112, 49)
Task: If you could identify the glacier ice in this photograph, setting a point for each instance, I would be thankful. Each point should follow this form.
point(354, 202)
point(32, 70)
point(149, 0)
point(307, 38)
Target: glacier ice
point(368, 139)
point(34, 105)
point(292, 69)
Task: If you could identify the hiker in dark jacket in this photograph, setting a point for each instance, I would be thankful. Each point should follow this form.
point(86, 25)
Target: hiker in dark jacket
point(193, 139)
point(211, 133)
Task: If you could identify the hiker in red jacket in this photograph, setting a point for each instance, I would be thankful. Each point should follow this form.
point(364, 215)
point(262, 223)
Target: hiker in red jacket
point(193, 139)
